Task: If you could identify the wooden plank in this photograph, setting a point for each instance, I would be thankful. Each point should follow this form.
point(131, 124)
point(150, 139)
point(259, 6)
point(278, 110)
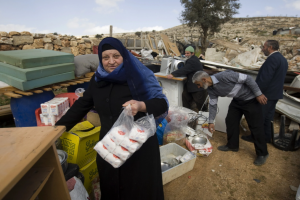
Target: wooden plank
point(12, 95)
point(177, 79)
point(90, 74)
point(293, 126)
point(166, 41)
point(28, 146)
point(23, 93)
point(289, 88)
point(64, 84)
point(229, 45)
point(5, 110)
point(47, 89)
point(8, 89)
point(31, 184)
point(37, 91)
point(55, 87)
point(78, 81)
point(174, 48)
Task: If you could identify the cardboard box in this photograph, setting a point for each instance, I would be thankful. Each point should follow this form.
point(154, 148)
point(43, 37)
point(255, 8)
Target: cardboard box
point(79, 143)
point(90, 171)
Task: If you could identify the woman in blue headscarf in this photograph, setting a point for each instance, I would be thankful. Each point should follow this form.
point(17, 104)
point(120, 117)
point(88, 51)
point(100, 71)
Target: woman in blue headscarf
point(120, 80)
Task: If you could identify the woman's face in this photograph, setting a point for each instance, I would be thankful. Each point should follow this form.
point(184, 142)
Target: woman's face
point(111, 59)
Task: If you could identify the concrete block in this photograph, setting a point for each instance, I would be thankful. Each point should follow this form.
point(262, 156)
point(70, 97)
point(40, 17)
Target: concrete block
point(19, 40)
point(212, 55)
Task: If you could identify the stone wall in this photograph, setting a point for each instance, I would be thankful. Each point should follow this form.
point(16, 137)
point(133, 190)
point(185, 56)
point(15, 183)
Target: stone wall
point(26, 40)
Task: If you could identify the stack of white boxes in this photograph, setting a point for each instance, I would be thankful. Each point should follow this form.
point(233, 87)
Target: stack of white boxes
point(53, 110)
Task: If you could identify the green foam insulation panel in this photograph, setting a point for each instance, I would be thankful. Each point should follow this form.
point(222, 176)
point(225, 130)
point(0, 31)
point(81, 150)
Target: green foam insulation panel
point(28, 85)
point(35, 58)
point(37, 72)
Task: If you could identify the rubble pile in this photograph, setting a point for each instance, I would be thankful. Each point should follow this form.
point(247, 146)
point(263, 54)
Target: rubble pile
point(248, 54)
point(26, 40)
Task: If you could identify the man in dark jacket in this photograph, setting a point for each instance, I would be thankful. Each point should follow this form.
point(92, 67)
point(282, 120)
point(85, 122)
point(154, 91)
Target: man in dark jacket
point(191, 93)
point(270, 80)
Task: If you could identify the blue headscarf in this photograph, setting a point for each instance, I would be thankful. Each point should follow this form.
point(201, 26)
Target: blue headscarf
point(142, 83)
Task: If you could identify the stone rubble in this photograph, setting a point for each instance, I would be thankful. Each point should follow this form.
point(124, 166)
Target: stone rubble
point(26, 40)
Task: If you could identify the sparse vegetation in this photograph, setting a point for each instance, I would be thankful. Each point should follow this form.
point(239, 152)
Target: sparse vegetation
point(85, 36)
point(98, 36)
point(138, 33)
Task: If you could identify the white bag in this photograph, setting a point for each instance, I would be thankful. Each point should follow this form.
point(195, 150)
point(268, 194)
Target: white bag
point(117, 146)
point(79, 192)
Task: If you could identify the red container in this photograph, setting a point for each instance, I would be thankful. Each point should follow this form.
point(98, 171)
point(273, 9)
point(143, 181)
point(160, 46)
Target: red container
point(95, 49)
point(72, 98)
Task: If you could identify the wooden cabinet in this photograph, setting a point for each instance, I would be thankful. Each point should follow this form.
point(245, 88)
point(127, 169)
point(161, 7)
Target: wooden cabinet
point(29, 165)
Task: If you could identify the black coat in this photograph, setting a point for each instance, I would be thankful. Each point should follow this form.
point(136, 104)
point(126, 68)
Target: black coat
point(191, 66)
point(271, 75)
point(140, 176)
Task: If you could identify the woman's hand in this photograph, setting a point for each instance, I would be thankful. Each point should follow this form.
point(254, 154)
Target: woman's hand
point(136, 106)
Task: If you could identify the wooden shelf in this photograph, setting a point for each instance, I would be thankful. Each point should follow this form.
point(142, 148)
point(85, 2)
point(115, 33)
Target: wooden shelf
point(30, 185)
point(29, 164)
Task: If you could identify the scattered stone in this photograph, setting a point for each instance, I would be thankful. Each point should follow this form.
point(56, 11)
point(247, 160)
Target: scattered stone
point(66, 49)
point(47, 40)
point(86, 40)
point(6, 41)
point(4, 34)
point(65, 43)
point(48, 46)
point(38, 43)
point(75, 51)
point(81, 51)
point(88, 51)
point(13, 33)
point(28, 47)
point(50, 35)
point(88, 45)
point(81, 41)
point(57, 42)
point(38, 35)
point(293, 188)
point(73, 43)
point(213, 170)
point(18, 40)
point(25, 33)
point(5, 47)
point(257, 180)
point(57, 47)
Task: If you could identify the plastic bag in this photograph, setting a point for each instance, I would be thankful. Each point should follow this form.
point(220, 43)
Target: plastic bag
point(175, 129)
point(79, 192)
point(125, 137)
point(147, 54)
point(79, 92)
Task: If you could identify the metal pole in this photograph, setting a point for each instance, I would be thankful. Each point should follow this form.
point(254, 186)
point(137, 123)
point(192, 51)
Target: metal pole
point(110, 30)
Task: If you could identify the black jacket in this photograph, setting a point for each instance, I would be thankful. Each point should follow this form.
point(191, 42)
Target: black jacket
point(271, 75)
point(140, 176)
point(191, 66)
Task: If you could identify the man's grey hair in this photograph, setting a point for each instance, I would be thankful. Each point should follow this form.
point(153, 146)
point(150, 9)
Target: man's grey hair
point(274, 44)
point(199, 75)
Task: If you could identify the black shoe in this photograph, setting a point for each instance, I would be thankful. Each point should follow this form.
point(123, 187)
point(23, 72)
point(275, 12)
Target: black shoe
point(226, 148)
point(260, 160)
point(248, 138)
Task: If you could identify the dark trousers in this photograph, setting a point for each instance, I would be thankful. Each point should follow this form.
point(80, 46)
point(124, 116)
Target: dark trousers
point(268, 116)
point(253, 114)
point(198, 98)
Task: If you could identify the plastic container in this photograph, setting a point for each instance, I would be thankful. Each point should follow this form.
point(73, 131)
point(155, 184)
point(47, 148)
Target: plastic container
point(180, 169)
point(24, 108)
point(72, 98)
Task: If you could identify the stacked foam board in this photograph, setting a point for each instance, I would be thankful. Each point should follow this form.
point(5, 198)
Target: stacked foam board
point(29, 69)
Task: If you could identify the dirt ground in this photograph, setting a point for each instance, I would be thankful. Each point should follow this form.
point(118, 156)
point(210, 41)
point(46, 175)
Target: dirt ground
point(230, 175)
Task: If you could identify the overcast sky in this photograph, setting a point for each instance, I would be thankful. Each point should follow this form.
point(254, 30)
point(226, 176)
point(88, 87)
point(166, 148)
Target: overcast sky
point(89, 17)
